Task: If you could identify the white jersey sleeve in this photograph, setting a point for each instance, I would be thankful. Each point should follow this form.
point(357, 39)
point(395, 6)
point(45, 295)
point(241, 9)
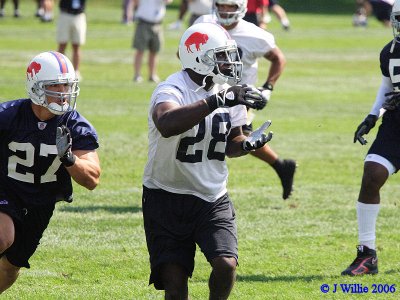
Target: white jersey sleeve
point(192, 162)
point(253, 43)
point(385, 87)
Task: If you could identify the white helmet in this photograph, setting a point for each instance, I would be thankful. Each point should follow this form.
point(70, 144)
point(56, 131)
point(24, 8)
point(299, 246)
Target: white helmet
point(50, 68)
point(228, 18)
point(208, 49)
point(395, 20)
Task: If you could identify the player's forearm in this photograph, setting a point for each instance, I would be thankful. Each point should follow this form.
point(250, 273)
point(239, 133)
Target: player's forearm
point(275, 71)
point(85, 172)
point(278, 62)
point(234, 147)
point(178, 119)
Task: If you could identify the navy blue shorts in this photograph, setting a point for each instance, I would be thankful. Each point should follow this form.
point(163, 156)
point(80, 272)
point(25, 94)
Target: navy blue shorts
point(387, 142)
point(29, 223)
point(175, 223)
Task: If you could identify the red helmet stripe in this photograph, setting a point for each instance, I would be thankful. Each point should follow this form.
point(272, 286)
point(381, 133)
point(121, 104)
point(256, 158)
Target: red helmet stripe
point(61, 61)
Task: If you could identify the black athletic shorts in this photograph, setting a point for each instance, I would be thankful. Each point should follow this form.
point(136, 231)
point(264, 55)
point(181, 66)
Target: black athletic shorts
point(30, 223)
point(272, 3)
point(387, 142)
point(252, 18)
point(381, 10)
point(175, 223)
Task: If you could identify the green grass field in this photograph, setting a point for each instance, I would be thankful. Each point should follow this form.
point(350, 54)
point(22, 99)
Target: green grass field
point(95, 247)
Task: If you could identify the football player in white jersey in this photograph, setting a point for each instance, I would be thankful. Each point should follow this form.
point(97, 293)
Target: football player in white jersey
point(254, 43)
point(194, 121)
point(383, 158)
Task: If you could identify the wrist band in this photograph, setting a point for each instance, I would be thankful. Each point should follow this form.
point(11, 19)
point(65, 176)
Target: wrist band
point(268, 86)
point(68, 160)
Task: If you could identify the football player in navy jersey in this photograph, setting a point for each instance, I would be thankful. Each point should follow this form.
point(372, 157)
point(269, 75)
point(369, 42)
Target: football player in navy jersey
point(194, 122)
point(44, 142)
point(383, 158)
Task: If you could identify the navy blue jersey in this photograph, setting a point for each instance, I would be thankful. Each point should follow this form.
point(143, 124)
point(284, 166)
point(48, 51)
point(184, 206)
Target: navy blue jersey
point(390, 64)
point(30, 170)
point(72, 6)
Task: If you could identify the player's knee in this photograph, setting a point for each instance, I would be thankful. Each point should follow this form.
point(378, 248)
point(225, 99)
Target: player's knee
point(374, 177)
point(224, 265)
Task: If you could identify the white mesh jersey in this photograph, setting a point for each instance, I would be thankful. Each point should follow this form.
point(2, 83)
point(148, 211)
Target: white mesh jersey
point(253, 42)
point(194, 161)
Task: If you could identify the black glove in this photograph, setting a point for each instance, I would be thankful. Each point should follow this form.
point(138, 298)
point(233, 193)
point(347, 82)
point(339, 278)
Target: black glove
point(257, 138)
point(64, 144)
point(364, 128)
point(237, 94)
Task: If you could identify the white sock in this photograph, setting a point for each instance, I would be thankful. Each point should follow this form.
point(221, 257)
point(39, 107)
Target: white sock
point(285, 22)
point(366, 216)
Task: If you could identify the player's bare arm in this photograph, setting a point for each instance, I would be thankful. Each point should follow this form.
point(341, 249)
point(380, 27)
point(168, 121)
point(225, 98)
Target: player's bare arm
point(278, 62)
point(234, 143)
point(172, 119)
point(86, 169)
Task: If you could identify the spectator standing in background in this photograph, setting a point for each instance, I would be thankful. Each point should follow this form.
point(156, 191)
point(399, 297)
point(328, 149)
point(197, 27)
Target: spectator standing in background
point(16, 8)
point(71, 27)
point(148, 36)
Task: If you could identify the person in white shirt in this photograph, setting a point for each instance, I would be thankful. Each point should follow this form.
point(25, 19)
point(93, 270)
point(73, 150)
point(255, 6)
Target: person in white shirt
point(254, 43)
point(148, 36)
point(194, 121)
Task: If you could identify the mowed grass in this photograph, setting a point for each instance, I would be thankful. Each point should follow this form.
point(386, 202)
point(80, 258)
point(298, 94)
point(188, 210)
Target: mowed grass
point(95, 247)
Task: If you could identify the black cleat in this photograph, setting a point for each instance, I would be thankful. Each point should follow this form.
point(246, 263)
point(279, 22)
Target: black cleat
point(286, 174)
point(366, 262)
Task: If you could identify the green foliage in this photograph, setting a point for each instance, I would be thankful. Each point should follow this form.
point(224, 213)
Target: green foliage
point(95, 247)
